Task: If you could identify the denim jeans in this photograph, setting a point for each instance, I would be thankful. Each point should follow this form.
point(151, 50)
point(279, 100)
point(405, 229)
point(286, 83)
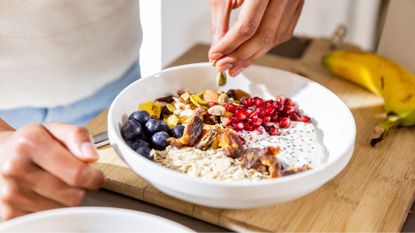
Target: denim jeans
point(77, 113)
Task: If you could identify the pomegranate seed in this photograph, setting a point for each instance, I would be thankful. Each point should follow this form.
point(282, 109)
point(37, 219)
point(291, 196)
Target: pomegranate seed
point(266, 119)
point(238, 126)
point(305, 119)
point(249, 111)
point(279, 107)
point(274, 117)
point(234, 119)
point(252, 114)
point(289, 102)
point(248, 126)
point(230, 108)
point(294, 117)
point(270, 110)
point(272, 130)
point(242, 140)
point(259, 130)
point(248, 101)
point(240, 114)
point(285, 122)
point(280, 100)
point(256, 121)
point(269, 103)
point(261, 111)
point(288, 110)
point(259, 102)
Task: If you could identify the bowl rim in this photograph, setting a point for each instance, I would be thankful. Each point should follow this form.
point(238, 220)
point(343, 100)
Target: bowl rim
point(234, 183)
point(89, 211)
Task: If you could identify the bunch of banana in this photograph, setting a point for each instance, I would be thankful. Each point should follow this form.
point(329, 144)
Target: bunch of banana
point(383, 77)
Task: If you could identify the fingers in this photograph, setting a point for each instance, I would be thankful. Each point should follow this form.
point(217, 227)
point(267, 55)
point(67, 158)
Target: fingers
point(277, 26)
point(265, 37)
point(8, 212)
point(76, 139)
point(220, 14)
point(18, 198)
point(54, 158)
point(243, 65)
point(285, 33)
point(49, 186)
point(248, 22)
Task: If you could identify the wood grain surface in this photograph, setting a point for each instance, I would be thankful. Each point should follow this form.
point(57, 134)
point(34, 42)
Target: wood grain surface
point(373, 193)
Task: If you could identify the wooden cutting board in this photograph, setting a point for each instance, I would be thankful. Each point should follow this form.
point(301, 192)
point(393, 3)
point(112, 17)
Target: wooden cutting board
point(373, 193)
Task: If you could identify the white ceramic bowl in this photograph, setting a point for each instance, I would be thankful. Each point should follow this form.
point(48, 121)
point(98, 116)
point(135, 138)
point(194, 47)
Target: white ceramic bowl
point(329, 113)
point(91, 219)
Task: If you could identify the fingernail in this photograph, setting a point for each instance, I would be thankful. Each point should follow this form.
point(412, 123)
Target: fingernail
point(215, 56)
point(89, 151)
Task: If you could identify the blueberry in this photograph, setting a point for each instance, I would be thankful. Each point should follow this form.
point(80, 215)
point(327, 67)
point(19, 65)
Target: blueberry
point(164, 127)
point(159, 140)
point(140, 116)
point(132, 129)
point(145, 136)
point(144, 151)
point(152, 126)
point(139, 143)
point(177, 131)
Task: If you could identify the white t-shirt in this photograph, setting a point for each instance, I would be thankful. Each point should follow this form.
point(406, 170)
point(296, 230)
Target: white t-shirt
point(55, 52)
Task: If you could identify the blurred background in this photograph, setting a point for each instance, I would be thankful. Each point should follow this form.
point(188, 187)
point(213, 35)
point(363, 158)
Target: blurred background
point(171, 27)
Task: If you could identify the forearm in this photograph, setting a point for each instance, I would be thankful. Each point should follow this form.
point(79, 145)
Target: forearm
point(5, 127)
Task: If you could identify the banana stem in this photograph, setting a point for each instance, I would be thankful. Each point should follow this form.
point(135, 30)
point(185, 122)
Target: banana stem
point(383, 129)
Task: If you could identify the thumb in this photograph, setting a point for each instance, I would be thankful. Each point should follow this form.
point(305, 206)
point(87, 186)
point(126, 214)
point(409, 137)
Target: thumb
point(76, 139)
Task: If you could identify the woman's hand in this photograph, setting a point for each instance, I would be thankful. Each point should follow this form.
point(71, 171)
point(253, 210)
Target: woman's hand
point(261, 25)
point(44, 167)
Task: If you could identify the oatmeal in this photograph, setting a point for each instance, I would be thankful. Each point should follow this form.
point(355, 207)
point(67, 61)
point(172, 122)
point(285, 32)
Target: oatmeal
point(225, 135)
point(210, 164)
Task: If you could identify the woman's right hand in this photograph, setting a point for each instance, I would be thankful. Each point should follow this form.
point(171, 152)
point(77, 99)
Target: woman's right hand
point(44, 167)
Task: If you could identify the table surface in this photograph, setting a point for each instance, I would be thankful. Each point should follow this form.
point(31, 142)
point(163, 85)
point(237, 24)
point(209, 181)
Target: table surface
point(106, 198)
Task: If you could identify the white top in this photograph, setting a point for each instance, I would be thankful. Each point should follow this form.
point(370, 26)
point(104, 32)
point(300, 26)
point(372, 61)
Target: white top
point(55, 52)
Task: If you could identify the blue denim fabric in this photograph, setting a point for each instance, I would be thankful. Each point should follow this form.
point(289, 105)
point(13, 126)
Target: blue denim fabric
point(77, 113)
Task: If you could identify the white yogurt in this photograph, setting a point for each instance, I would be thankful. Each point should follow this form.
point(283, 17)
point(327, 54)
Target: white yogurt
point(299, 144)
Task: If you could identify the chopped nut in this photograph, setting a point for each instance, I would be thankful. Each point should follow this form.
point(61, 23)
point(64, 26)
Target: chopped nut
point(210, 96)
point(217, 110)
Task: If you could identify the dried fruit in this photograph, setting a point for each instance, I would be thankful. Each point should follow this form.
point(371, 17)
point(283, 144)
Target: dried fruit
point(295, 170)
point(192, 131)
point(196, 100)
point(262, 159)
point(167, 99)
point(207, 139)
point(231, 143)
point(153, 108)
point(172, 121)
point(237, 94)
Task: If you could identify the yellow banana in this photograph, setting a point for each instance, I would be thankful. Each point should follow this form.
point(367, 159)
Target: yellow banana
point(383, 77)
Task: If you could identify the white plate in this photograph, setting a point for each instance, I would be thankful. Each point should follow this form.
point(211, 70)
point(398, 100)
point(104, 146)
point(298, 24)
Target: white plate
point(91, 219)
point(329, 113)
